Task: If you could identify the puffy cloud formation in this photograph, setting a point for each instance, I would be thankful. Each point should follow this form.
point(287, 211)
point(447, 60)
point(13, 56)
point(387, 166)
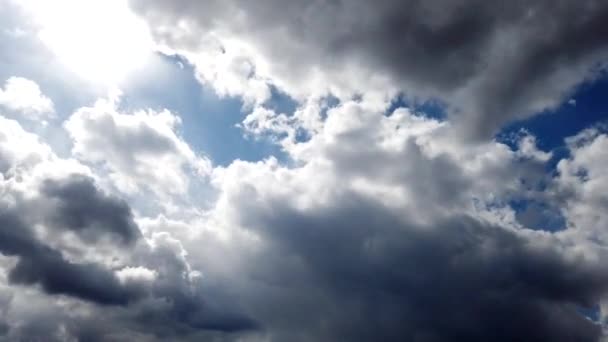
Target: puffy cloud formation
point(379, 222)
point(24, 97)
point(386, 225)
point(385, 231)
point(489, 61)
point(140, 150)
point(77, 250)
point(582, 182)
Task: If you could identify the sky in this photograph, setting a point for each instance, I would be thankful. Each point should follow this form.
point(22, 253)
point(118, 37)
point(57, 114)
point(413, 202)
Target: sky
point(269, 171)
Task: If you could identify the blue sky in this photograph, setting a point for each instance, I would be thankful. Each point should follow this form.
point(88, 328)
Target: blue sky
point(588, 108)
point(209, 122)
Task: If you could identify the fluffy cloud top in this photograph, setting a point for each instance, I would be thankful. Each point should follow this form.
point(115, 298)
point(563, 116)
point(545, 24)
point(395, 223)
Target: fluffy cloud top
point(65, 241)
point(386, 226)
point(24, 96)
point(140, 150)
point(491, 62)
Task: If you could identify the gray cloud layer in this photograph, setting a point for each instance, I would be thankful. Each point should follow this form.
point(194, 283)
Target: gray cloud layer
point(358, 272)
point(81, 207)
point(43, 265)
point(491, 61)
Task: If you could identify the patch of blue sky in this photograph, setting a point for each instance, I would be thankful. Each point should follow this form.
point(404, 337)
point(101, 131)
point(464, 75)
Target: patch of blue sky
point(209, 122)
point(593, 313)
point(430, 108)
point(281, 102)
point(328, 102)
point(538, 215)
point(585, 108)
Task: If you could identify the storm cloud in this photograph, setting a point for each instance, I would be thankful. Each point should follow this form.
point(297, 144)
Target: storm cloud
point(373, 276)
point(40, 264)
point(83, 208)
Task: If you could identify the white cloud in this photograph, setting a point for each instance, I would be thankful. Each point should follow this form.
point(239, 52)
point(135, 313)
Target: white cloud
point(582, 184)
point(141, 150)
point(407, 162)
point(136, 274)
point(26, 161)
point(461, 53)
point(24, 96)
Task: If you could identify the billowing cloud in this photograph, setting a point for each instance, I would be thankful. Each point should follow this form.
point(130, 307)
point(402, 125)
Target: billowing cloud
point(359, 272)
point(81, 207)
point(378, 222)
point(491, 62)
point(64, 239)
point(581, 185)
point(386, 232)
point(387, 226)
point(39, 264)
point(141, 150)
point(24, 97)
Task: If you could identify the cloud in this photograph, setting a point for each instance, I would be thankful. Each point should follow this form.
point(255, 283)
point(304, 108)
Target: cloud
point(385, 226)
point(384, 231)
point(81, 207)
point(65, 240)
point(30, 166)
point(19, 149)
point(141, 150)
point(136, 274)
point(40, 264)
point(582, 184)
point(379, 224)
point(24, 96)
point(357, 272)
point(491, 62)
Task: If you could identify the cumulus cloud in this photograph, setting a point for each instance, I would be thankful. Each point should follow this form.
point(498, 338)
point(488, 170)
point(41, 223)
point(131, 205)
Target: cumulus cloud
point(24, 96)
point(81, 207)
point(65, 240)
point(41, 264)
point(386, 226)
point(384, 231)
point(355, 271)
point(491, 62)
point(380, 223)
point(582, 183)
point(141, 150)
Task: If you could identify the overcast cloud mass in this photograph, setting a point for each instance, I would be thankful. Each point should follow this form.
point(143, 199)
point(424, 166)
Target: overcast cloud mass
point(397, 203)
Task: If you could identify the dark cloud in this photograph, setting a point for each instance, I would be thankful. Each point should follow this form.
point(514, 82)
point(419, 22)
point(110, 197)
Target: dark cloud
point(84, 209)
point(58, 276)
point(170, 305)
point(43, 265)
point(491, 61)
point(188, 307)
point(190, 313)
point(359, 272)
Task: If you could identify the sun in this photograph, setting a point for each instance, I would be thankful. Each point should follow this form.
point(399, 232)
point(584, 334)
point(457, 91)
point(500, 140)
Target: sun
point(100, 40)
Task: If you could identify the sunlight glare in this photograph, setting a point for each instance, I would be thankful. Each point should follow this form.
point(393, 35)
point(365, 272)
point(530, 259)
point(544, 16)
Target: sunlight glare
point(100, 40)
